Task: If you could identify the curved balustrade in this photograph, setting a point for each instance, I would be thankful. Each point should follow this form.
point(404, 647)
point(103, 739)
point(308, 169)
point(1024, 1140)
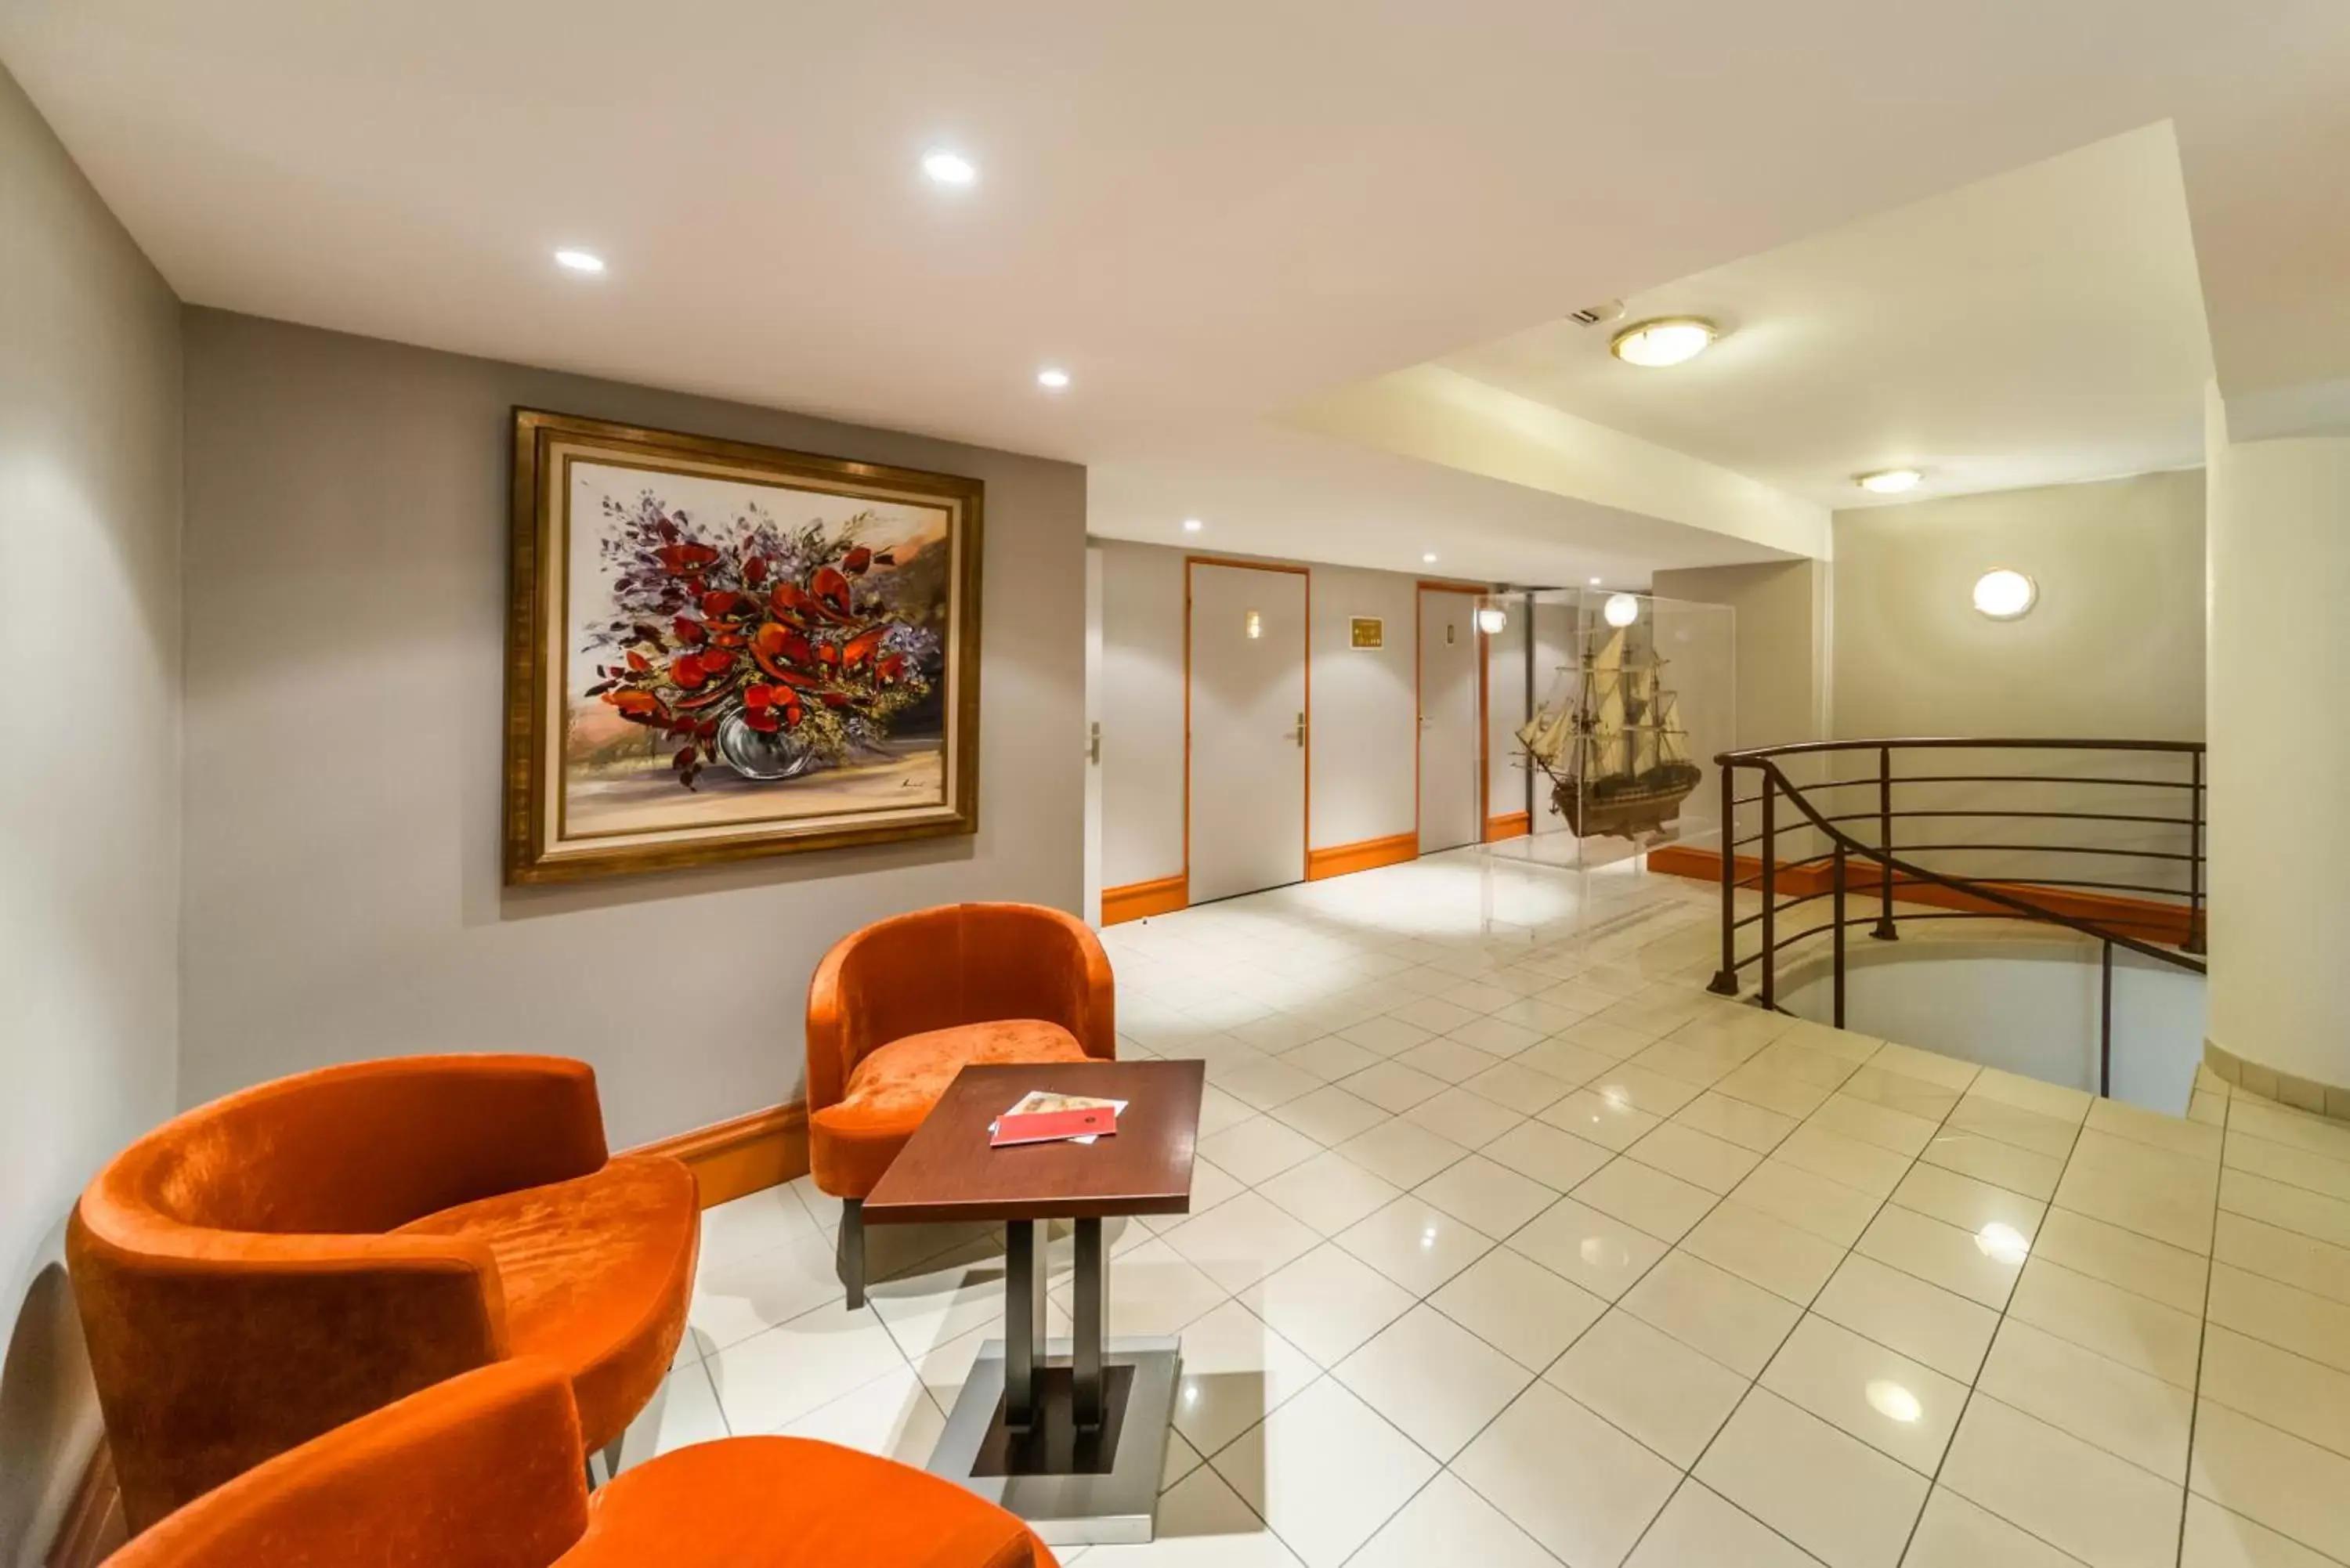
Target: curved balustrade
point(2151, 842)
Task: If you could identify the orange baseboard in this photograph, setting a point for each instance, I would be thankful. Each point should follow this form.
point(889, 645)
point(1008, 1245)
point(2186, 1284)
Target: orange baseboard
point(730, 1158)
point(1705, 865)
point(1363, 855)
point(1140, 900)
point(2147, 919)
point(1514, 825)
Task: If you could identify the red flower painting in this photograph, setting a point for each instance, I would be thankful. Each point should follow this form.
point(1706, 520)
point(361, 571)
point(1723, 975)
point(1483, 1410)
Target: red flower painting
point(773, 650)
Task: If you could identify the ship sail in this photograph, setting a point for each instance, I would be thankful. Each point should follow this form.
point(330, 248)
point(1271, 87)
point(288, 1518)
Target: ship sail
point(1547, 734)
point(1607, 732)
point(1671, 736)
point(1645, 718)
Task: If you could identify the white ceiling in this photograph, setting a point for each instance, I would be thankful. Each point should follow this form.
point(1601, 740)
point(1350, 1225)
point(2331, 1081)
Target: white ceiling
point(1264, 490)
point(2037, 328)
point(1209, 212)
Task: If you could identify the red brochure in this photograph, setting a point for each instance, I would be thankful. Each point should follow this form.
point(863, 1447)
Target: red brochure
point(1043, 1126)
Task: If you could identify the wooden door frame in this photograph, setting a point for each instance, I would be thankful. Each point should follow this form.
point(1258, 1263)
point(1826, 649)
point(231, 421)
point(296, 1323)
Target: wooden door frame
point(1484, 719)
point(1305, 830)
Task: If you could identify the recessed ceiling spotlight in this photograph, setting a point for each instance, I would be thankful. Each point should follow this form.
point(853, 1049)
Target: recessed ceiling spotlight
point(1054, 377)
point(1663, 340)
point(1191, 525)
point(949, 168)
point(1889, 482)
point(580, 261)
point(1594, 582)
point(1428, 559)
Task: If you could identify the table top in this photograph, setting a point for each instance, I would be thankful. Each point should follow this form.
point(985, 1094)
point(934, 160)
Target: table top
point(947, 1171)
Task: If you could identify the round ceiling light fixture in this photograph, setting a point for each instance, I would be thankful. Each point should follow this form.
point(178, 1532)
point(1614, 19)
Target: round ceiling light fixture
point(1663, 340)
point(1493, 619)
point(2004, 595)
point(1888, 480)
point(580, 261)
point(1052, 377)
point(949, 168)
point(1621, 609)
point(1192, 525)
point(1428, 558)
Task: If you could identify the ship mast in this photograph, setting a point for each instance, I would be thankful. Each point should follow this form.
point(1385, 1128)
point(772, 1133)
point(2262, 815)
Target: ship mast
point(1610, 714)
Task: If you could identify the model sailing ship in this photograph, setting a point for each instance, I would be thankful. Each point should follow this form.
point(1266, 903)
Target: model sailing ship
point(1609, 741)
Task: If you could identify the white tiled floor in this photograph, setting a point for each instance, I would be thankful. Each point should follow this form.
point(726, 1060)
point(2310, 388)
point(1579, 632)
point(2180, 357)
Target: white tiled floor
point(1511, 1246)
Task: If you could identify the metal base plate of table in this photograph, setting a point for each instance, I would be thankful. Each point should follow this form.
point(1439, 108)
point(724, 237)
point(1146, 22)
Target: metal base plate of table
point(1074, 1487)
point(1069, 1434)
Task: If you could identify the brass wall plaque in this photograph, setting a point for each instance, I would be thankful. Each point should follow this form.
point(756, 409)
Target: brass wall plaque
point(1369, 631)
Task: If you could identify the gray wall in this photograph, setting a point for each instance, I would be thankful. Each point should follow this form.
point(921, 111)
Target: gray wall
point(1780, 670)
point(1366, 732)
point(345, 585)
point(1141, 711)
point(1781, 642)
point(2114, 647)
point(89, 813)
point(1507, 707)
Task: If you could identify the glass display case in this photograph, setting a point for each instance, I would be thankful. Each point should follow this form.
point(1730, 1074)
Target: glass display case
point(1609, 730)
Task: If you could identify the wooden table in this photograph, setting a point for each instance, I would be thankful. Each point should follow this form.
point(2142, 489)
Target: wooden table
point(1069, 1453)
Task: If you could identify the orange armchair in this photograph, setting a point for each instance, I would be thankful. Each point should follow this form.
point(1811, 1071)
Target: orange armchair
point(268, 1267)
point(486, 1472)
point(898, 1008)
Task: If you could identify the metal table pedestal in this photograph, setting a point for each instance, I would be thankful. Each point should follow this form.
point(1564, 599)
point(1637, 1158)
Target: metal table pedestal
point(1068, 1434)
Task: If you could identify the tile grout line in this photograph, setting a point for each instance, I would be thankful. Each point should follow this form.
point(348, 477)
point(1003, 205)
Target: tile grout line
point(2203, 1340)
point(1687, 1473)
point(1934, 1483)
point(1444, 1466)
point(1755, 1382)
point(2195, 1408)
point(1975, 1390)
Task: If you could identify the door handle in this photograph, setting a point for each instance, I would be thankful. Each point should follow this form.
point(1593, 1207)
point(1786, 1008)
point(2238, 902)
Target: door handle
point(1093, 742)
point(1298, 735)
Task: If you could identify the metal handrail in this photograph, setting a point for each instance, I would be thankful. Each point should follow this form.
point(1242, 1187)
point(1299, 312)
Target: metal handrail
point(1964, 744)
point(2007, 894)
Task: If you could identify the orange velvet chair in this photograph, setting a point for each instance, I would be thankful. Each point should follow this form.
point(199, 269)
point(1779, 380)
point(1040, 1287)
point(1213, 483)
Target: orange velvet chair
point(898, 1008)
point(262, 1270)
point(486, 1472)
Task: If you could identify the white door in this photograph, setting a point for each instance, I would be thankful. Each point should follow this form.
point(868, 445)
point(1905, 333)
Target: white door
point(1450, 811)
point(1247, 676)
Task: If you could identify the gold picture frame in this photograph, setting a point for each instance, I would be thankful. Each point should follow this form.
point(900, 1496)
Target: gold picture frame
point(738, 651)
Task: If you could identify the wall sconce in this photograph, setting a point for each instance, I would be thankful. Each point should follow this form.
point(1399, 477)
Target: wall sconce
point(1621, 609)
point(2005, 594)
point(1493, 619)
point(1254, 624)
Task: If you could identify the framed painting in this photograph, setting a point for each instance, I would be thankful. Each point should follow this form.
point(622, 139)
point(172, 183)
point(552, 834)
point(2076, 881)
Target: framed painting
point(720, 650)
